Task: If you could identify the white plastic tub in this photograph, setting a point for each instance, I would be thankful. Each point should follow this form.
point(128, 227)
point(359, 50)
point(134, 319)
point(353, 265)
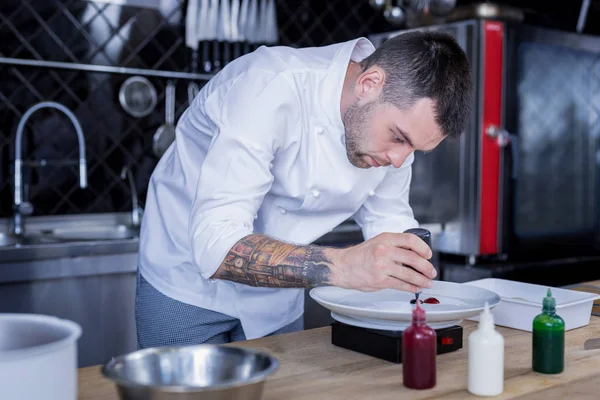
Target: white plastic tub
point(38, 357)
point(521, 302)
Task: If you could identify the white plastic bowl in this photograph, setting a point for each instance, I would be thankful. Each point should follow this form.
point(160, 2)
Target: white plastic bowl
point(38, 357)
point(521, 302)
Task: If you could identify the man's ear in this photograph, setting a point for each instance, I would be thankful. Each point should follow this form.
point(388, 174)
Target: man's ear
point(369, 84)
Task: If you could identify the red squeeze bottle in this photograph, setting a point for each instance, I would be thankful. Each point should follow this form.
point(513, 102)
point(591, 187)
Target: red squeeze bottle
point(419, 350)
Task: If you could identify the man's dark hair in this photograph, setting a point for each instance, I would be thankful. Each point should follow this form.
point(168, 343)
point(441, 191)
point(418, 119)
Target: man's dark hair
point(427, 64)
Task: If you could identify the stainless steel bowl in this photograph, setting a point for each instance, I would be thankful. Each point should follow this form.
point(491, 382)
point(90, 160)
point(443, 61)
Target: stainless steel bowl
point(191, 372)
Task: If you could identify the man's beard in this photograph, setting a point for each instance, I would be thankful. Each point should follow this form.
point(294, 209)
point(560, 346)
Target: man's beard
point(356, 120)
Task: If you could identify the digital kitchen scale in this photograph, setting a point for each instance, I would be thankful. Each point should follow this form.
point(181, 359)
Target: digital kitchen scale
point(387, 345)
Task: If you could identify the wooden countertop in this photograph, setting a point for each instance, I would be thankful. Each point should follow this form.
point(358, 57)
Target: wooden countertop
point(311, 367)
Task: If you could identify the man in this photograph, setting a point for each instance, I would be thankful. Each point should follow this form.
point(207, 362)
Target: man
point(277, 149)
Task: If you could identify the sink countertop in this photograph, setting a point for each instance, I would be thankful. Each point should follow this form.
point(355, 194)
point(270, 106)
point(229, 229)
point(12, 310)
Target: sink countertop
point(54, 249)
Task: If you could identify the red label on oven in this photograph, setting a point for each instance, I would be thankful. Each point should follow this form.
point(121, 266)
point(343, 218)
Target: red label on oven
point(493, 47)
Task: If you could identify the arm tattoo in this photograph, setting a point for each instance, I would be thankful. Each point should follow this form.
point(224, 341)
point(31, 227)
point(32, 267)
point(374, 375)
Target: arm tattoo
point(258, 260)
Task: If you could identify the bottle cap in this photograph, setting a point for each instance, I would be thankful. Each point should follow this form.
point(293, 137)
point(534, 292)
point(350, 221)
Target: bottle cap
point(424, 234)
point(418, 314)
point(549, 303)
point(486, 318)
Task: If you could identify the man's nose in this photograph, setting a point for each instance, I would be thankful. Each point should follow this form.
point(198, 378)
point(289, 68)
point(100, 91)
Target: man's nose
point(398, 157)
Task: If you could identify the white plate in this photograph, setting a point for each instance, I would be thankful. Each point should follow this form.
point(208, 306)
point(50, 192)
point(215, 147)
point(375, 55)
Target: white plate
point(457, 301)
point(386, 325)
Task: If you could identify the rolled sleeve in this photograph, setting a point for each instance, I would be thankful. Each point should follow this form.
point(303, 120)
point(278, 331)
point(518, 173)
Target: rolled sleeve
point(388, 210)
point(251, 122)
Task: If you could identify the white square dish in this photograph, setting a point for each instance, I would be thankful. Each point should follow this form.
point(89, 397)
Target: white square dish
point(521, 302)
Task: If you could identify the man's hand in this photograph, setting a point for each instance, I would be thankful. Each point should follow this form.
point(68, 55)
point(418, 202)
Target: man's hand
point(383, 262)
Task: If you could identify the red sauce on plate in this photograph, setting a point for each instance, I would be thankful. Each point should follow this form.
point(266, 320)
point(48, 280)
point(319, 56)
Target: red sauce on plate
point(429, 300)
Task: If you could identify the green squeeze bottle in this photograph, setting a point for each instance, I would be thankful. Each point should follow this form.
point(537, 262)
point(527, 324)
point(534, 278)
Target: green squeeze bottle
point(548, 339)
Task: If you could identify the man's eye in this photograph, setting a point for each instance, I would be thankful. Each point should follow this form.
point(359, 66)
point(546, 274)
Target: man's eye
point(398, 139)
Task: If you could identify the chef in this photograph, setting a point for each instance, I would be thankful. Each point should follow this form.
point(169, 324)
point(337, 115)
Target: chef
point(277, 149)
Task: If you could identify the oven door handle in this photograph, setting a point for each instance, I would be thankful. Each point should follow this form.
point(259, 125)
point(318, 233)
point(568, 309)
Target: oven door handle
point(504, 139)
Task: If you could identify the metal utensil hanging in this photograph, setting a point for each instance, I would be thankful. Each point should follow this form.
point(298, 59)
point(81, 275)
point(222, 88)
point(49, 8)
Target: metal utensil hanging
point(223, 26)
point(212, 24)
point(191, 41)
point(251, 26)
point(262, 24)
point(224, 31)
point(264, 31)
point(137, 96)
point(165, 134)
point(203, 34)
point(272, 26)
point(235, 28)
point(243, 25)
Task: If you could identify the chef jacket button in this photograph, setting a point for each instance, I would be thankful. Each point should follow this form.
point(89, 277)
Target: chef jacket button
point(282, 210)
point(372, 193)
point(270, 165)
point(320, 130)
point(316, 193)
point(255, 216)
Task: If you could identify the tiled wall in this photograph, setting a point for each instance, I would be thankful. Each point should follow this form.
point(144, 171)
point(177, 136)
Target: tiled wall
point(99, 33)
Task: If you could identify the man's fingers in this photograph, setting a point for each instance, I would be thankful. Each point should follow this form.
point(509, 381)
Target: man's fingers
point(410, 241)
point(408, 275)
point(411, 259)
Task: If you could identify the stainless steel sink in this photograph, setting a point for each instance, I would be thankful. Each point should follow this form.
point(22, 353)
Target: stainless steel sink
point(8, 240)
point(14, 240)
point(93, 233)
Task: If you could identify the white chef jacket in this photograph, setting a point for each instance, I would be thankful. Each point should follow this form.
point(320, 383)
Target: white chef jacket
point(261, 150)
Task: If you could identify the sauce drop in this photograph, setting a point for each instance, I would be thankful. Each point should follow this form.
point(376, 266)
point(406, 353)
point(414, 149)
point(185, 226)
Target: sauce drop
point(431, 300)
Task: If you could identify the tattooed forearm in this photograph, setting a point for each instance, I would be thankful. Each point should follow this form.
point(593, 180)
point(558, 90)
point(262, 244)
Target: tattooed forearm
point(258, 260)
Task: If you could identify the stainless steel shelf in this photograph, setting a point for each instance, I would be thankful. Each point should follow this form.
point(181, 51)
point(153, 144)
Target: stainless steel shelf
point(104, 69)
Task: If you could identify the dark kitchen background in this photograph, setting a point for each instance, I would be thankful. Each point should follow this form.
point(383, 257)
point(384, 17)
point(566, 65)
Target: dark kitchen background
point(106, 34)
point(147, 37)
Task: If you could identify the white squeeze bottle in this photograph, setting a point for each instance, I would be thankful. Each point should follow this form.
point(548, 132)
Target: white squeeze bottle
point(486, 357)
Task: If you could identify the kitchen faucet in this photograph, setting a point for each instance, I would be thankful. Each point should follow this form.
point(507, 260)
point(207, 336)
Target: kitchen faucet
point(24, 208)
point(136, 210)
